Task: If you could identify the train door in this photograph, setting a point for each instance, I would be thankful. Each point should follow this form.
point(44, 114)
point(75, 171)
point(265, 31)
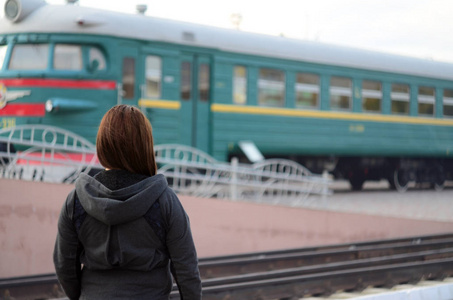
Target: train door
point(128, 87)
point(195, 87)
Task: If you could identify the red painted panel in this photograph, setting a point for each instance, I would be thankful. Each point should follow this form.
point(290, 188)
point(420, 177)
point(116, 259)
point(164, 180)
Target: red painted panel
point(35, 158)
point(24, 110)
point(59, 83)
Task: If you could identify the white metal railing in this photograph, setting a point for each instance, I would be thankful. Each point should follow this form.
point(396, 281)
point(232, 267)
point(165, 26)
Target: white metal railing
point(51, 154)
point(193, 172)
point(41, 152)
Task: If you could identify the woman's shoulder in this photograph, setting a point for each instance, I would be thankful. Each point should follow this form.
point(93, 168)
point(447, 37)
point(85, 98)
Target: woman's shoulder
point(69, 202)
point(168, 195)
point(169, 200)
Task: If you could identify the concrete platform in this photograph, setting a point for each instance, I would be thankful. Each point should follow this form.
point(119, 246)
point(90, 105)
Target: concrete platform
point(418, 202)
point(29, 213)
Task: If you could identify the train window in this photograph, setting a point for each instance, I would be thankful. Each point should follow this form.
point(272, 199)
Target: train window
point(426, 100)
point(29, 57)
point(340, 93)
point(153, 76)
point(95, 54)
point(67, 57)
point(186, 80)
point(307, 90)
point(448, 103)
point(2, 54)
point(240, 85)
point(271, 85)
point(371, 96)
point(203, 82)
point(400, 97)
point(128, 77)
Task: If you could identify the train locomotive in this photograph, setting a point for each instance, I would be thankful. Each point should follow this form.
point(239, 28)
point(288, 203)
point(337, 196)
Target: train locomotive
point(358, 114)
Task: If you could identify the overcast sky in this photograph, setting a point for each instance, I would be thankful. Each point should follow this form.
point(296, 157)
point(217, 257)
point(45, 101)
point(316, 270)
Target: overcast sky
point(420, 28)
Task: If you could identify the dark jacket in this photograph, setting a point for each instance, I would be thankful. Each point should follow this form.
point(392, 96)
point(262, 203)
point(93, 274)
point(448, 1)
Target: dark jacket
point(121, 254)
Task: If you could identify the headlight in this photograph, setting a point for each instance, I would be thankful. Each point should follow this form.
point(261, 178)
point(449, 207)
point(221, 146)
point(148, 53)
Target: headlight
point(49, 105)
point(17, 10)
point(11, 9)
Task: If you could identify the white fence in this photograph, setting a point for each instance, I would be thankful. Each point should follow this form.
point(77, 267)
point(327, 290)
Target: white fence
point(195, 173)
point(44, 153)
point(51, 154)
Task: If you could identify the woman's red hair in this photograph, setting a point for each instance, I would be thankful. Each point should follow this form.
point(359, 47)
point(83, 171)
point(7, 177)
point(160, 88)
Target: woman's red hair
point(125, 141)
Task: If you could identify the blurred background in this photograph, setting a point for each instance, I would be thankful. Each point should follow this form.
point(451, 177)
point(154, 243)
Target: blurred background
point(226, 222)
point(419, 28)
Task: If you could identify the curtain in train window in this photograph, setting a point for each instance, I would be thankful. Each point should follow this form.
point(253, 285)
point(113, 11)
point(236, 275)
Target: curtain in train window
point(448, 103)
point(96, 54)
point(186, 80)
point(400, 97)
point(67, 57)
point(203, 82)
point(240, 85)
point(271, 87)
point(29, 57)
point(371, 96)
point(128, 77)
point(307, 90)
point(340, 93)
point(426, 100)
point(153, 76)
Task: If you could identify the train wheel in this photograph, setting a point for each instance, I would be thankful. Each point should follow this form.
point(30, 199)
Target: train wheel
point(439, 187)
point(4, 159)
point(439, 183)
point(401, 180)
point(356, 182)
point(391, 183)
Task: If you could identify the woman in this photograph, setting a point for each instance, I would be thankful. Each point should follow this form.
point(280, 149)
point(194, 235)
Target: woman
point(125, 225)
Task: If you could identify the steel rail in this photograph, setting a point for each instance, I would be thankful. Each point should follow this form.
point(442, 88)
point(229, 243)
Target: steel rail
point(326, 283)
point(343, 246)
point(42, 286)
point(334, 266)
point(234, 266)
point(275, 264)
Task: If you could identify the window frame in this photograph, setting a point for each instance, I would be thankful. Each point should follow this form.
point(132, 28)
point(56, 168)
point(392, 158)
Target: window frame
point(183, 80)
point(3, 55)
point(131, 85)
point(262, 83)
point(85, 52)
point(307, 87)
point(427, 100)
point(400, 97)
point(236, 87)
point(204, 69)
point(372, 94)
point(160, 77)
point(81, 54)
point(341, 91)
point(447, 101)
point(48, 56)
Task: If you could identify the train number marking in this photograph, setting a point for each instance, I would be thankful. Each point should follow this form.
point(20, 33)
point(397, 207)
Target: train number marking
point(7, 122)
point(356, 128)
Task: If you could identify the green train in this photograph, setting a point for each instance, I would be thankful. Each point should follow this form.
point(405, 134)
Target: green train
point(358, 114)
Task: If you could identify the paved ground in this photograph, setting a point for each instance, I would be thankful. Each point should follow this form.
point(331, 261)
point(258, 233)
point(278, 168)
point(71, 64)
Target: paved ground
point(29, 212)
point(419, 203)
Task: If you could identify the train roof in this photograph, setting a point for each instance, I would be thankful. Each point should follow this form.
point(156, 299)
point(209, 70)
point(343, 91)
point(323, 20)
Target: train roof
point(74, 19)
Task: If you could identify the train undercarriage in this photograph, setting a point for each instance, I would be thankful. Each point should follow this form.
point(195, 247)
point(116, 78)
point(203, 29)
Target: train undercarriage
point(398, 171)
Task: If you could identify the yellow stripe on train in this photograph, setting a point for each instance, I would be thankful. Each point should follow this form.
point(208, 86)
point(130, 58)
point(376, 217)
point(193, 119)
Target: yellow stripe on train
point(164, 104)
point(286, 112)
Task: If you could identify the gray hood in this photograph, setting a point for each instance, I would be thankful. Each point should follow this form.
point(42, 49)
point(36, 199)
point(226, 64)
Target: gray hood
point(113, 207)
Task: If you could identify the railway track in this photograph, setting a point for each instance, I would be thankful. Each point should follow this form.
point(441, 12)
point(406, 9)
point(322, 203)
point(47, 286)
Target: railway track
point(294, 273)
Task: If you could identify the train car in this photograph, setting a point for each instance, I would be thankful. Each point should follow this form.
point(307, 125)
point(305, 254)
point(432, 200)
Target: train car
point(360, 115)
